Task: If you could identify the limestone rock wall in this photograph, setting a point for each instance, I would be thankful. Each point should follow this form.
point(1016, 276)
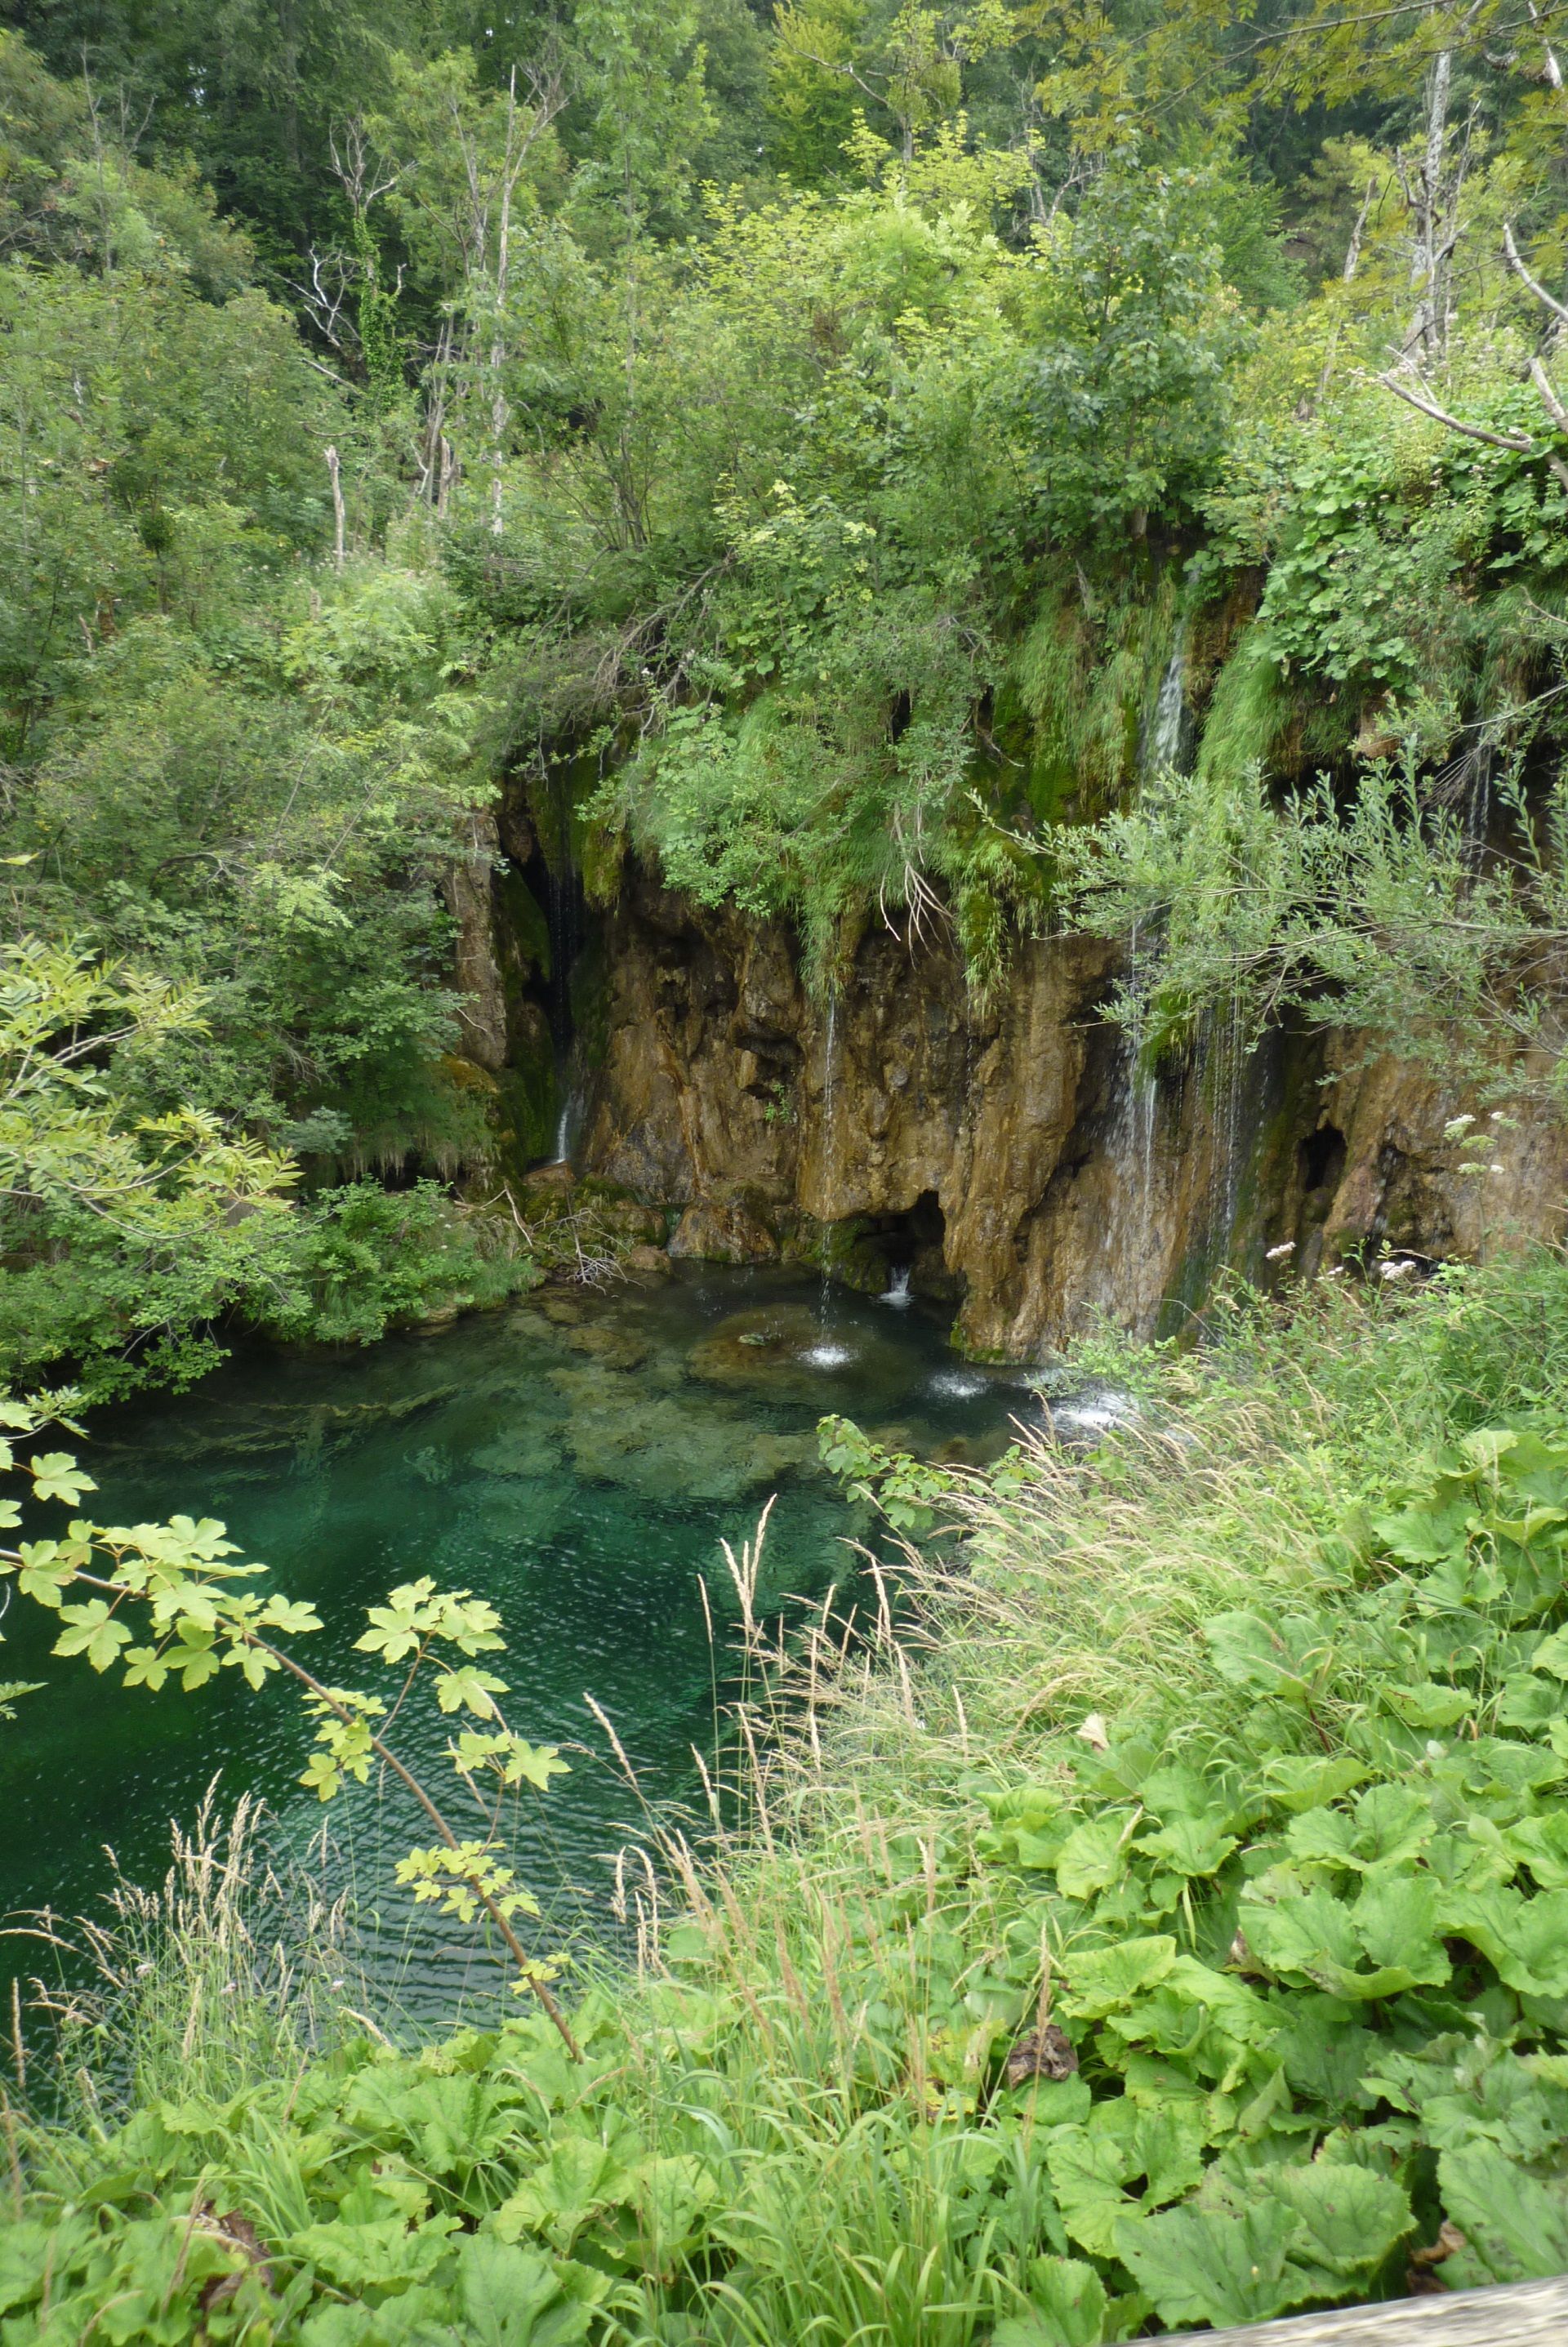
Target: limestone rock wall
point(1009, 1153)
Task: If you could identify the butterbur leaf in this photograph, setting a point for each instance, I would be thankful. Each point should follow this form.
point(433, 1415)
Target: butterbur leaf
point(1093, 1857)
point(1350, 2219)
point(1071, 2297)
point(512, 2298)
point(1189, 1846)
point(1252, 1652)
point(1552, 1655)
point(1300, 1781)
point(1104, 1978)
point(1516, 2228)
point(1395, 1918)
point(1124, 2143)
point(1392, 1821)
point(1298, 1933)
point(1324, 1838)
point(1526, 1938)
point(1541, 1845)
point(1428, 1706)
point(1200, 2265)
point(380, 2254)
point(1530, 1702)
point(568, 2188)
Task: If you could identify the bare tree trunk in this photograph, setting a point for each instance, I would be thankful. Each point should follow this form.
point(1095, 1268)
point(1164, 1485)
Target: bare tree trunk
point(499, 410)
point(1353, 250)
point(340, 517)
point(1554, 70)
point(1425, 337)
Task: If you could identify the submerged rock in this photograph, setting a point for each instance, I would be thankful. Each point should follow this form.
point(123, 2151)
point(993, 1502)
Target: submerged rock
point(527, 1450)
point(783, 1353)
point(611, 1342)
point(658, 1446)
point(648, 1263)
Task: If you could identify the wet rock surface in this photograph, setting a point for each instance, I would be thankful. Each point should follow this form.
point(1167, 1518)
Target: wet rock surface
point(1010, 1156)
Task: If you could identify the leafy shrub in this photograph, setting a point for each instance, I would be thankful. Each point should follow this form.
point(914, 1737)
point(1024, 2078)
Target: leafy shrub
point(365, 1259)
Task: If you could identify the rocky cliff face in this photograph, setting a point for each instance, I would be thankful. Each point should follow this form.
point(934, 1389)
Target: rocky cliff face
point(1009, 1155)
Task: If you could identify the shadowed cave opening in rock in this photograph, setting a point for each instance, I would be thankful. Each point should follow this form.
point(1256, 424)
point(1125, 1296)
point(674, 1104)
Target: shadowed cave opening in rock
point(1322, 1157)
point(911, 1248)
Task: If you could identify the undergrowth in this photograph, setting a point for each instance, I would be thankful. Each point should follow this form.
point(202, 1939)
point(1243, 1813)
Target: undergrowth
point(1155, 1914)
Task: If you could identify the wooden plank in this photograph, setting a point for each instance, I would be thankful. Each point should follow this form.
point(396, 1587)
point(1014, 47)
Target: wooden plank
point(1523, 2314)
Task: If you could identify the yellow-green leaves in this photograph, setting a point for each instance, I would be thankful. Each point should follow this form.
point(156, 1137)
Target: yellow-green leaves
point(344, 1733)
point(56, 1476)
point(415, 1614)
point(91, 1630)
point(511, 1759)
point(459, 1880)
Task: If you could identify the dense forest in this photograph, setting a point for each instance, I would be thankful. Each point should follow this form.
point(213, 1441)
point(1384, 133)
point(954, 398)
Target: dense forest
point(992, 481)
point(444, 458)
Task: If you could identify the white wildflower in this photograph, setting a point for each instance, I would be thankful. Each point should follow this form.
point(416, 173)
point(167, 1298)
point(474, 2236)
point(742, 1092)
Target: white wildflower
point(1278, 1254)
point(1093, 1732)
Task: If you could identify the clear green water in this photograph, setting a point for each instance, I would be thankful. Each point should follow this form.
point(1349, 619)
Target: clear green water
point(577, 1461)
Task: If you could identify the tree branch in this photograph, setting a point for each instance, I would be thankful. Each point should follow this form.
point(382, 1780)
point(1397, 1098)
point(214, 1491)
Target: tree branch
point(1521, 441)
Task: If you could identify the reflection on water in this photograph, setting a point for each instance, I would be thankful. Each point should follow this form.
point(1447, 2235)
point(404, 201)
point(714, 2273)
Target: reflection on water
point(577, 1460)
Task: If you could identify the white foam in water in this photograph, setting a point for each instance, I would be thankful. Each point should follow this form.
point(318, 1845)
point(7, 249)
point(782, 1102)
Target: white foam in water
point(1095, 1417)
point(898, 1293)
point(958, 1384)
point(827, 1356)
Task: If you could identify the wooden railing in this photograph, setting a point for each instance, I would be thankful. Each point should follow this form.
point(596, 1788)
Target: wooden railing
point(1526, 2314)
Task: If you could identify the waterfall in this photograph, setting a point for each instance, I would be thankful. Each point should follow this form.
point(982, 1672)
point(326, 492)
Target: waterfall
point(1477, 784)
point(562, 889)
point(1166, 739)
point(897, 1290)
point(1132, 1239)
point(831, 1050)
point(1223, 1056)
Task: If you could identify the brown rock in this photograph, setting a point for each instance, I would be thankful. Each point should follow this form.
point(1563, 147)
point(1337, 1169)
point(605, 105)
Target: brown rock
point(647, 1261)
point(722, 1232)
point(1004, 1148)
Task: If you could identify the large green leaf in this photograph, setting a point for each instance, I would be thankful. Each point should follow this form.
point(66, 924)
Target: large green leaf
point(1071, 2301)
point(511, 2298)
point(1526, 1938)
point(1349, 2217)
point(1201, 2265)
point(1100, 1979)
point(1123, 2143)
point(1517, 2229)
point(1093, 1857)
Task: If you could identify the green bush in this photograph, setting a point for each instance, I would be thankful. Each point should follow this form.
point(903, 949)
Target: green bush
point(363, 1259)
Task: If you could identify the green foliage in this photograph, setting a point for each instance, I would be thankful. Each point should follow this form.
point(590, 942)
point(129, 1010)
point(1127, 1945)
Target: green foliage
point(1176, 1938)
point(363, 1259)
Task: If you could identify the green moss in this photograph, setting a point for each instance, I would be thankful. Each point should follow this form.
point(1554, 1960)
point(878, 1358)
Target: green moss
point(1249, 711)
point(527, 929)
point(526, 1110)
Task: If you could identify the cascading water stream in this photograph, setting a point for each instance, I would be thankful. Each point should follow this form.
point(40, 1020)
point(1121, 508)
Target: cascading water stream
point(830, 1047)
point(896, 1292)
point(561, 917)
point(1132, 1238)
point(1166, 733)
